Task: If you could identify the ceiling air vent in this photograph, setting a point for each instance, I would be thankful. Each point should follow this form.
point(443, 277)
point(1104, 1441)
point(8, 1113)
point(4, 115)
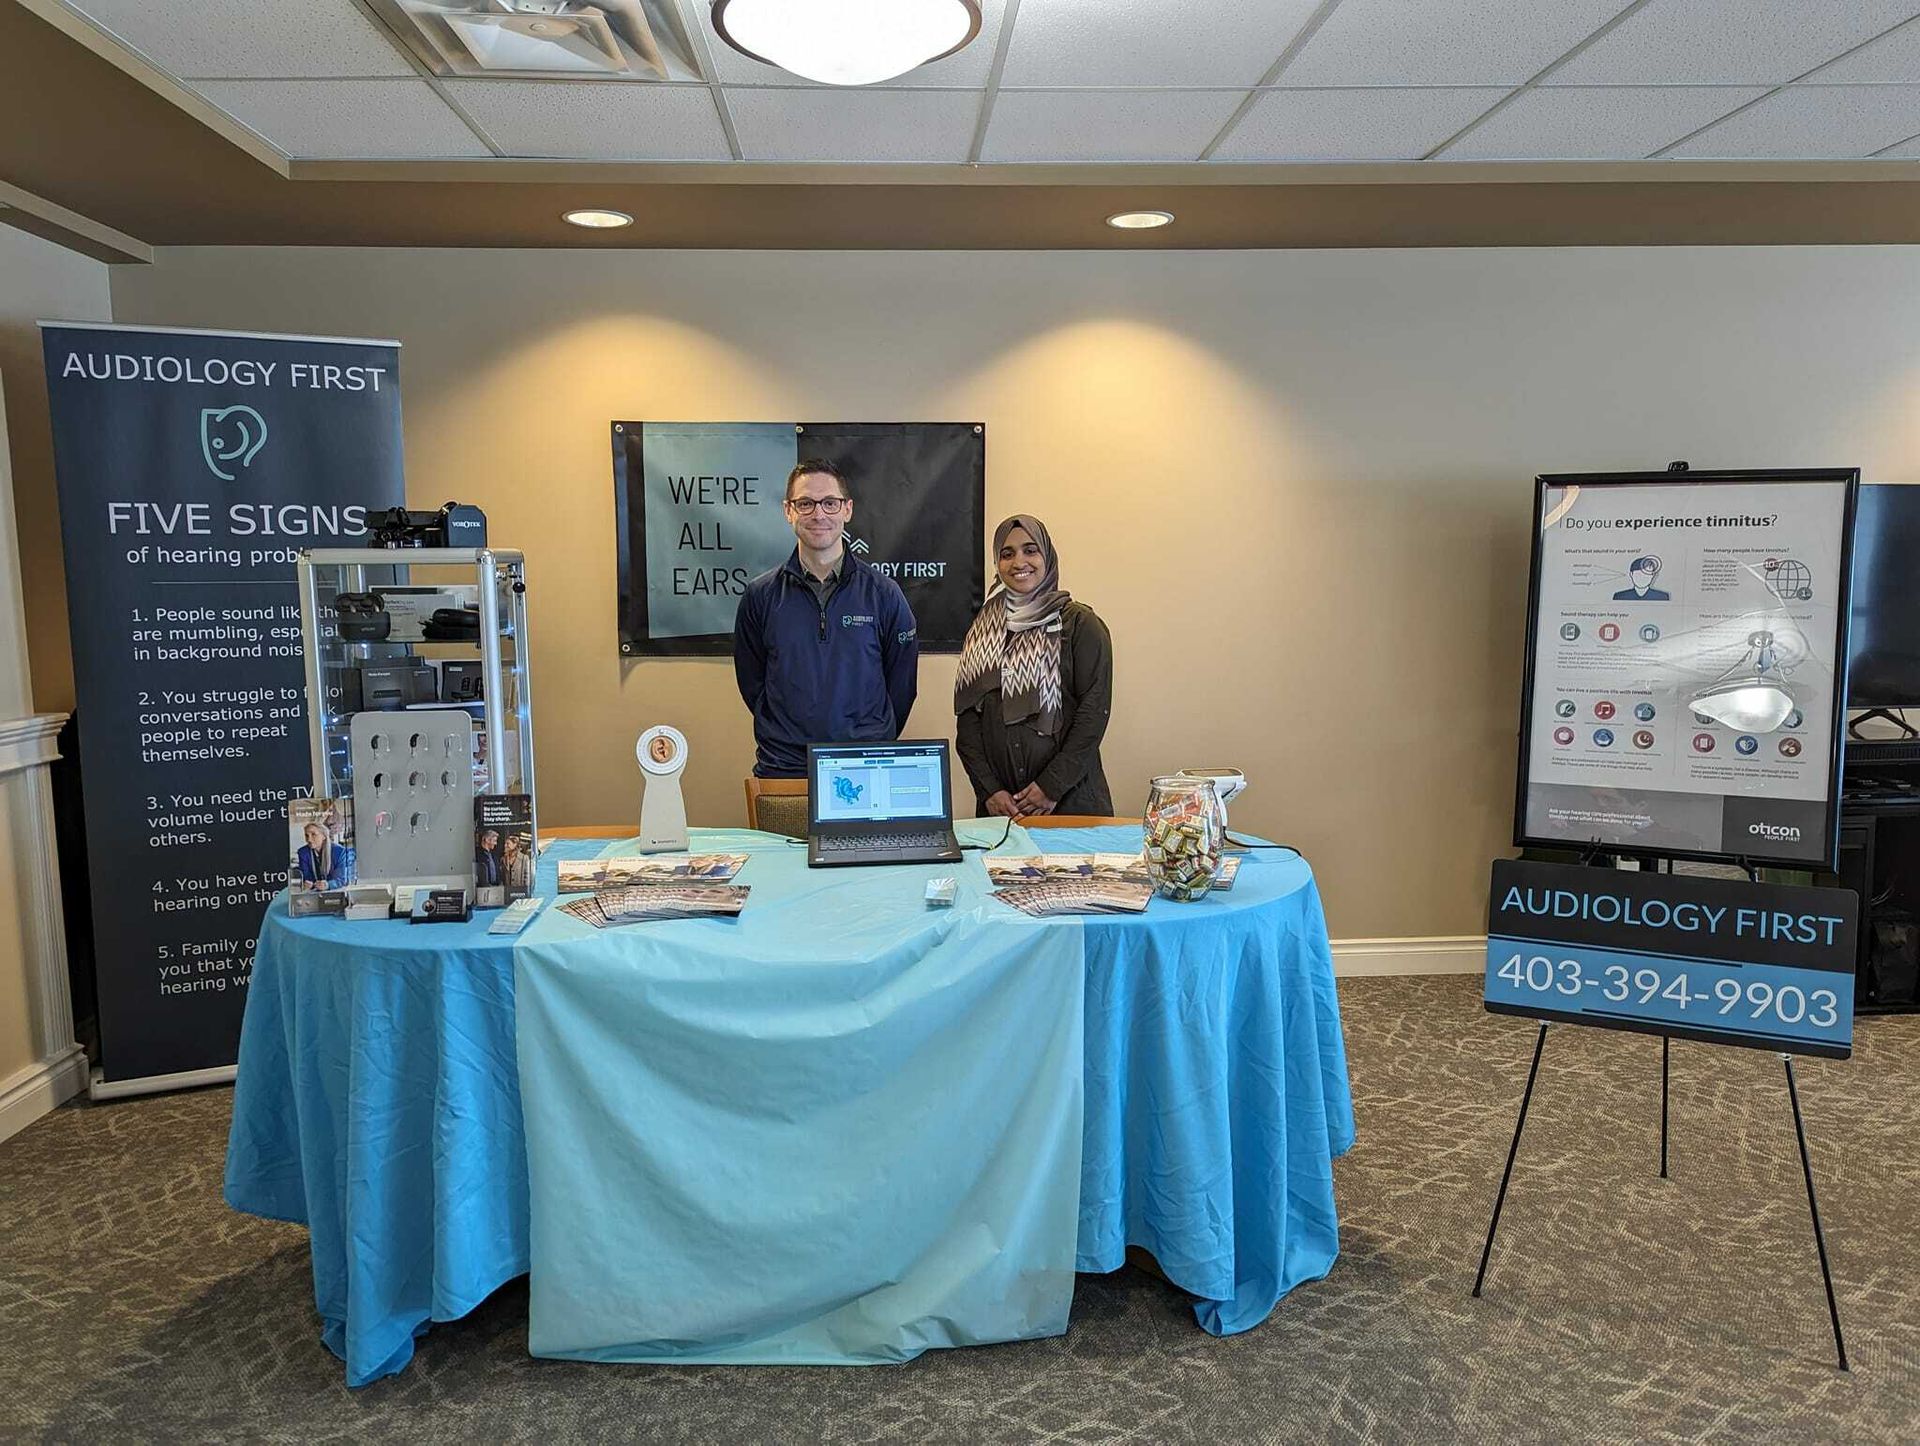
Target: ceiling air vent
point(543, 39)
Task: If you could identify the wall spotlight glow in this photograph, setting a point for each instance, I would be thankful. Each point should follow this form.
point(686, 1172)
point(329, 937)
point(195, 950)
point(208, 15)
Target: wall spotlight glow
point(1139, 220)
point(596, 219)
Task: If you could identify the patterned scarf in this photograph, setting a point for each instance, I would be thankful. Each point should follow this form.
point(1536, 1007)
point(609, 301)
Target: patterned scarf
point(1014, 643)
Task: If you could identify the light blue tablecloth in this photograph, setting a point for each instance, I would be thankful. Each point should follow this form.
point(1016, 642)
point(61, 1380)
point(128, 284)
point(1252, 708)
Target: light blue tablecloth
point(377, 1101)
point(1216, 1086)
point(840, 1129)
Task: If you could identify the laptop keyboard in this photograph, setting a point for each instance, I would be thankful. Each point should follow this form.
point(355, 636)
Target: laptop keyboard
point(868, 842)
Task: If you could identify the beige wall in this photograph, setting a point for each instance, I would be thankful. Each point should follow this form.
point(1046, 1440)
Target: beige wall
point(1295, 483)
point(37, 280)
point(19, 1047)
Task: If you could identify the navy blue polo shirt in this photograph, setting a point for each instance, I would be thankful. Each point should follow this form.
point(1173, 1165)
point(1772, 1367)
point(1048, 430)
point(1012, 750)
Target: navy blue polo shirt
point(833, 663)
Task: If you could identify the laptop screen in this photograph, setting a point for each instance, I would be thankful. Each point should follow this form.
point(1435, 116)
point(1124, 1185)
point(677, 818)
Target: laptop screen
point(878, 782)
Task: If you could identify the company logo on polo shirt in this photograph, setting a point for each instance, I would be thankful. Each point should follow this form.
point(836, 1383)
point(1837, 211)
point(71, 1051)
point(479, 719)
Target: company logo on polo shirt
point(233, 435)
point(1784, 833)
point(856, 620)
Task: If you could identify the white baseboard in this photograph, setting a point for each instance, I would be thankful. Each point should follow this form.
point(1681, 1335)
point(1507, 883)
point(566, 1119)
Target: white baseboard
point(1455, 954)
point(40, 1088)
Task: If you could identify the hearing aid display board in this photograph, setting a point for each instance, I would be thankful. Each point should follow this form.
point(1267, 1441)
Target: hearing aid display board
point(413, 797)
point(1686, 646)
point(192, 467)
point(701, 512)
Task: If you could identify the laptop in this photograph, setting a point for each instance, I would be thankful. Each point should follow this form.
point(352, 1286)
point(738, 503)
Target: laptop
point(879, 803)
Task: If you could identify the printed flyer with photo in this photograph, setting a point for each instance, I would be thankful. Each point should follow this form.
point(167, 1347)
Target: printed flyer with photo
point(320, 862)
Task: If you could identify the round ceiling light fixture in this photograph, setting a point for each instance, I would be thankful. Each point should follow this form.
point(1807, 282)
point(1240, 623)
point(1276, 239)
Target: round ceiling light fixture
point(846, 42)
point(1139, 220)
point(597, 219)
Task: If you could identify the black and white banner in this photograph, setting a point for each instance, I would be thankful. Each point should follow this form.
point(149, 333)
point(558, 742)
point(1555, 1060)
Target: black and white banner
point(700, 515)
point(193, 467)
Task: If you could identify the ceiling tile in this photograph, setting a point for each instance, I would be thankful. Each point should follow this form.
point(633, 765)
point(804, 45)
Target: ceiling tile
point(347, 119)
point(1813, 122)
point(967, 69)
point(1150, 42)
point(1106, 125)
point(1444, 42)
point(1891, 60)
point(1611, 123)
point(229, 38)
point(604, 120)
point(1729, 42)
point(1352, 125)
point(831, 124)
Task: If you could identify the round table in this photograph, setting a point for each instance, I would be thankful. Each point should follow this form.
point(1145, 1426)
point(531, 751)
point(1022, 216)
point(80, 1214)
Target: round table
point(379, 1093)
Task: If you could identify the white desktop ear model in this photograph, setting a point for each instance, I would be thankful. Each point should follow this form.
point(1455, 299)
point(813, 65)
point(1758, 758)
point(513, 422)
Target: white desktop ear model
point(662, 754)
point(1228, 783)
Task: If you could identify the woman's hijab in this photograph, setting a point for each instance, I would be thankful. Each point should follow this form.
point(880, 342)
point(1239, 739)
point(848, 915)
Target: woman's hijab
point(1014, 644)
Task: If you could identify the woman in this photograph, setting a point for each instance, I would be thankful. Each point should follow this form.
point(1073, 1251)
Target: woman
point(515, 865)
point(1034, 687)
point(324, 864)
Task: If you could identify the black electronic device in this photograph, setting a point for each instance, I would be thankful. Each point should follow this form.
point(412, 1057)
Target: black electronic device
point(460, 682)
point(389, 687)
point(452, 625)
point(442, 906)
point(1884, 670)
point(362, 617)
point(879, 803)
point(457, 524)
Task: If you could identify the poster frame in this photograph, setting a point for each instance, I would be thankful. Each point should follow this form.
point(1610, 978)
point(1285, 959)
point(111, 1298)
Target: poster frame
point(1849, 477)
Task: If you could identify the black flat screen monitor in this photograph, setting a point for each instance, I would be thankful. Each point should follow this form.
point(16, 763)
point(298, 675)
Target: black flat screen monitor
point(1884, 668)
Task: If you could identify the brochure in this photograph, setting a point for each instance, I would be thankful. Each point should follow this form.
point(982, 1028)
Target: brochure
point(319, 854)
point(503, 850)
point(585, 876)
point(611, 907)
point(1037, 868)
point(1077, 896)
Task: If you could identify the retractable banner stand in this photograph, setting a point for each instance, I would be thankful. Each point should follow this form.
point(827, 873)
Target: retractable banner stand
point(700, 515)
point(193, 467)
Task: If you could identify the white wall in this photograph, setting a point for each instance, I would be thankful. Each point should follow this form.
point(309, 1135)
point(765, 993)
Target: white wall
point(39, 1064)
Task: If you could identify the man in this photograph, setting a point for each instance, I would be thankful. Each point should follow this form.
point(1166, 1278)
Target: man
point(486, 860)
point(825, 649)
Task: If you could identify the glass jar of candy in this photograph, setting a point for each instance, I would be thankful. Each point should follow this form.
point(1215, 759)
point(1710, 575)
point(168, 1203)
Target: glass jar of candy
point(1185, 829)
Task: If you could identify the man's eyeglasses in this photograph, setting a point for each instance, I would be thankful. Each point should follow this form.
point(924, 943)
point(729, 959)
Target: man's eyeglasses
point(830, 506)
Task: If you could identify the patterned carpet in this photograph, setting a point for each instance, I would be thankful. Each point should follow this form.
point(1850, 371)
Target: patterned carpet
point(135, 1306)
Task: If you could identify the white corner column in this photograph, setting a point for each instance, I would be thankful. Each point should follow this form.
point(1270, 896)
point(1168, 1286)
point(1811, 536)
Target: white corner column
point(33, 940)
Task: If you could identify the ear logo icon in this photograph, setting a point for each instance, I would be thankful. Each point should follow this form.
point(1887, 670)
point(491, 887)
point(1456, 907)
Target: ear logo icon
point(233, 436)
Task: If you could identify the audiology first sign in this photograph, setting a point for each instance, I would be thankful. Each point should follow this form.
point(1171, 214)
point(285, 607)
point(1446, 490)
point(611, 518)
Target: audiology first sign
point(1686, 664)
point(193, 467)
point(1765, 966)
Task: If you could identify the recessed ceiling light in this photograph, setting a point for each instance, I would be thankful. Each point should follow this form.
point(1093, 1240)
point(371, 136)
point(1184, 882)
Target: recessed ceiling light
point(846, 42)
point(1139, 220)
point(598, 220)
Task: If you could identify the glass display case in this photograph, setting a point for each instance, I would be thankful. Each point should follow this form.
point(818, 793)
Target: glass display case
point(432, 630)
